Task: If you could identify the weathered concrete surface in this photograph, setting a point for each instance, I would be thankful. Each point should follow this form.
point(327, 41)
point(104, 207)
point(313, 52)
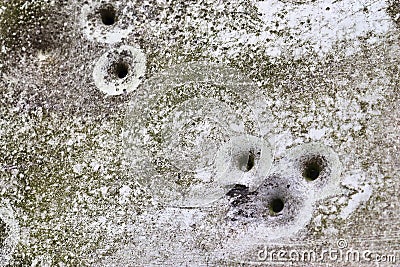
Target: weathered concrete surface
point(241, 107)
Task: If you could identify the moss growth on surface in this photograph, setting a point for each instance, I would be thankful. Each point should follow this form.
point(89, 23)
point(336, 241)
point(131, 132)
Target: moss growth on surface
point(28, 24)
point(41, 151)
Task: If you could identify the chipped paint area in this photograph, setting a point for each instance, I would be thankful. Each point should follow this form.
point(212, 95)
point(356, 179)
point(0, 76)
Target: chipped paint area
point(316, 26)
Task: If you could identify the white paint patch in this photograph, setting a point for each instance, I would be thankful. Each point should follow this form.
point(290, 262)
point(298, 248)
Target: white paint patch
point(354, 179)
point(78, 168)
point(316, 26)
point(355, 201)
point(316, 134)
point(124, 192)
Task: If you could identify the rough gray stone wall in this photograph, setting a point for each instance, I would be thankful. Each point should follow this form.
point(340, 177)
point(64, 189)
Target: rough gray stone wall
point(196, 133)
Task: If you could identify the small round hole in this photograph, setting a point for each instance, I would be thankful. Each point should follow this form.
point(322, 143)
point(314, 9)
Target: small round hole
point(247, 161)
point(107, 14)
point(313, 168)
point(276, 205)
point(121, 70)
point(250, 161)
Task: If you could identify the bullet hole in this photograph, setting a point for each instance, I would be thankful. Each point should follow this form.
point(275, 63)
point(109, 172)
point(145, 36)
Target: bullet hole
point(276, 205)
point(121, 69)
point(243, 160)
point(107, 14)
point(316, 166)
point(312, 168)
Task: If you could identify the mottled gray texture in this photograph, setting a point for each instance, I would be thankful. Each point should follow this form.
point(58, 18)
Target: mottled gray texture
point(87, 178)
